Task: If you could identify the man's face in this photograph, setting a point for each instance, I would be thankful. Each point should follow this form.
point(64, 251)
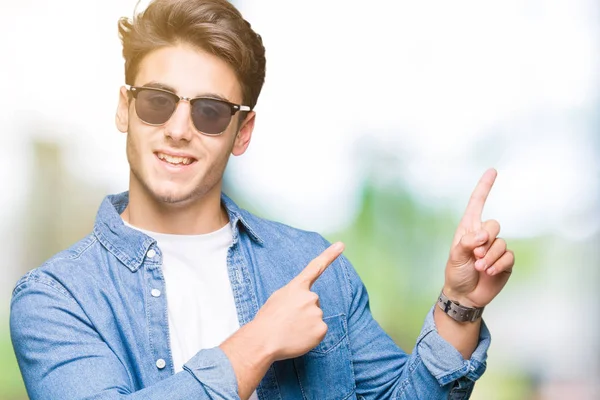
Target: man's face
point(174, 163)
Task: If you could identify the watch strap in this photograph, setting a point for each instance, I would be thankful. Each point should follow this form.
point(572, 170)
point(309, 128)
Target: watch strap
point(457, 312)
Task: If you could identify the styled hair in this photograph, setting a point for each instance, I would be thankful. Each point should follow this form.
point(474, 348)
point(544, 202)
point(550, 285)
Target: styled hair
point(214, 26)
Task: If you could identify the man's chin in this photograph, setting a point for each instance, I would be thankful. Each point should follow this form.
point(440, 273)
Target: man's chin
point(174, 198)
point(166, 192)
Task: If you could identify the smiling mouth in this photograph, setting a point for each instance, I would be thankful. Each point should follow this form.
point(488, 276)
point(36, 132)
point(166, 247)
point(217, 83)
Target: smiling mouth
point(175, 160)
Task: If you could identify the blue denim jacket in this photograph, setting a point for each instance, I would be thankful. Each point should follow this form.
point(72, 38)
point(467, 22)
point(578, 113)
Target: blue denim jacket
point(89, 324)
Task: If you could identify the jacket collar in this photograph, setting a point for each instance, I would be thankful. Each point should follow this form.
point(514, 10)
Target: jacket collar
point(130, 245)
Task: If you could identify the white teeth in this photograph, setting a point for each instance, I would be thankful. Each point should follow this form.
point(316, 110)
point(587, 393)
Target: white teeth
point(174, 160)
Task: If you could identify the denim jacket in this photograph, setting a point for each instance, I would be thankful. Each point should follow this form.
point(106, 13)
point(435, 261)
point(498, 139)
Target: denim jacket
point(91, 323)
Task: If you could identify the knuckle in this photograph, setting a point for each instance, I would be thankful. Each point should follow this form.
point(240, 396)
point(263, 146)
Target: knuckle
point(320, 261)
point(501, 244)
point(313, 297)
point(492, 227)
point(495, 225)
point(314, 314)
point(319, 267)
point(323, 329)
point(511, 256)
point(477, 196)
point(320, 314)
point(481, 251)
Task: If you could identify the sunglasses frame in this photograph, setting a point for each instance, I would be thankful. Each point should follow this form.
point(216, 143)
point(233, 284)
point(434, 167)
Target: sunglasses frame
point(135, 90)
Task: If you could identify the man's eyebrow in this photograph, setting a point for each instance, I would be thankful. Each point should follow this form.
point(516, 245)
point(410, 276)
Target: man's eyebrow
point(158, 85)
point(215, 96)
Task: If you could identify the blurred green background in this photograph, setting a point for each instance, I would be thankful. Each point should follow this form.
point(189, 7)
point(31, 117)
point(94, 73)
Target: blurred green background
point(375, 122)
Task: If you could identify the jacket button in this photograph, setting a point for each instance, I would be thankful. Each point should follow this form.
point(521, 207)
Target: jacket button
point(160, 363)
point(155, 292)
point(151, 253)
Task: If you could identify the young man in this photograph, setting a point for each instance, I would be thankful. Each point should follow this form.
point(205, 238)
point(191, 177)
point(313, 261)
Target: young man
point(179, 294)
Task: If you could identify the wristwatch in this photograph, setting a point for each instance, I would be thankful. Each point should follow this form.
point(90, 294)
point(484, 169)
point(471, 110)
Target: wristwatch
point(457, 312)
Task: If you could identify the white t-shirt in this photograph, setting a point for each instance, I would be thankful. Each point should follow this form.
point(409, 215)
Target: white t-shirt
point(200, 304)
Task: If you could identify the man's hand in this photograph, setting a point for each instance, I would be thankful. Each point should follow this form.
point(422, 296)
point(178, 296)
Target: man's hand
point(478, 268)
point(292, 317)
point(288, 325)
point(479, 264)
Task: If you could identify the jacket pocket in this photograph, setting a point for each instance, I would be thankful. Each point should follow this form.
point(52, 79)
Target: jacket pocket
point(325, 372)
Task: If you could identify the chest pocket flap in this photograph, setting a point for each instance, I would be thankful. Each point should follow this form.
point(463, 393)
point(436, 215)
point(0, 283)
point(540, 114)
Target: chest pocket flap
point(325, 372)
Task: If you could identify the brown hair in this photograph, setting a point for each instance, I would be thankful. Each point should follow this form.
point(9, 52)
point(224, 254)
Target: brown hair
point(214, 26)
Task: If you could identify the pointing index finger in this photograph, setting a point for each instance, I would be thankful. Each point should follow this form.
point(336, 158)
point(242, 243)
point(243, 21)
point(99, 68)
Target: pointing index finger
point(317, 266)
point(479, 196)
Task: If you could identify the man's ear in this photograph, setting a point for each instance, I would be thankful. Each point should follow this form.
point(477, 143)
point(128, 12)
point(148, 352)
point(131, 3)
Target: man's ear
point(122, 116)
point(242, 140)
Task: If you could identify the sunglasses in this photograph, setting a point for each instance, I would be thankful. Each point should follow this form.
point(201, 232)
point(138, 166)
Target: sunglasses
point(210, 116)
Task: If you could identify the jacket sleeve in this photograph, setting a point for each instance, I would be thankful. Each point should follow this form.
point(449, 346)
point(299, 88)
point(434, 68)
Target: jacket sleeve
point(62, 356)
point(434, 370)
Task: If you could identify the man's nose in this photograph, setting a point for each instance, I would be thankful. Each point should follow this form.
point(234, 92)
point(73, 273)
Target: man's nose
point(179, 126)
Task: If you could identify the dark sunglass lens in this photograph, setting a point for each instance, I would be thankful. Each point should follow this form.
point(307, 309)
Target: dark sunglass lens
point(154, 106)
point(211, 116)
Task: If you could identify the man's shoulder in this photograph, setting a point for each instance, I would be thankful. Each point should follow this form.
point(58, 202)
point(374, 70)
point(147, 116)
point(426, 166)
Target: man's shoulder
point(290, 247)
point(62, 266)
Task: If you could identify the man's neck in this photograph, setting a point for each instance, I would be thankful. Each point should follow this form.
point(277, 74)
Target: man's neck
point(197, 217)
